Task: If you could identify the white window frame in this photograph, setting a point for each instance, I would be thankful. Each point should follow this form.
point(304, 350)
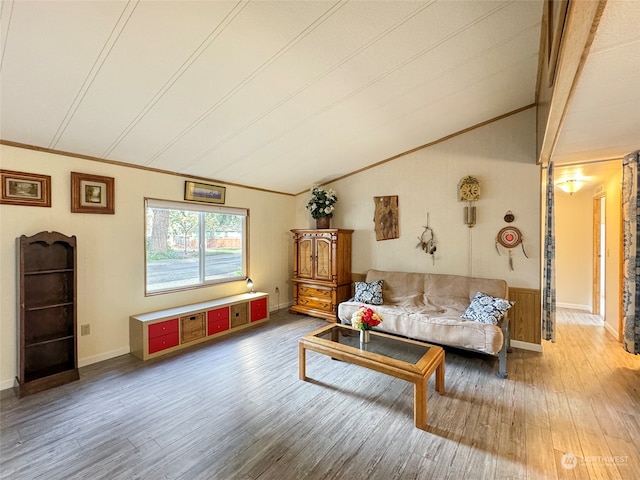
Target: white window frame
point(201, 209)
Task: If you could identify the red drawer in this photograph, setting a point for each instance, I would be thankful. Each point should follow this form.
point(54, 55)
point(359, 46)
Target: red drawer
point(215, 326)
point(258, 309)
point(163, 342)
point(217, 320)
point(218, 314)
point(163, 328)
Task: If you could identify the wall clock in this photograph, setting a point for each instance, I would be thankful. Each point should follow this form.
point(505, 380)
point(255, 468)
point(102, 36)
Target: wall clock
point(469, 189)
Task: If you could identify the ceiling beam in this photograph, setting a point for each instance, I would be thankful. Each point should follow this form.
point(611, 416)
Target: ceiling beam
point(579, 31)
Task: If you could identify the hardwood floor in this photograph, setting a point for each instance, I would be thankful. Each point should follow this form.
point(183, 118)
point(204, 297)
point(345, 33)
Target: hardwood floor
point(235, 409)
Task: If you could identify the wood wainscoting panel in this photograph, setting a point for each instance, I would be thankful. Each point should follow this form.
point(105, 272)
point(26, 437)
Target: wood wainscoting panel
point(525, 315)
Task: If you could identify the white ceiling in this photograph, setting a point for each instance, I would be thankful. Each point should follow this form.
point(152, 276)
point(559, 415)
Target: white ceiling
point(284, 94)
point(603, 118)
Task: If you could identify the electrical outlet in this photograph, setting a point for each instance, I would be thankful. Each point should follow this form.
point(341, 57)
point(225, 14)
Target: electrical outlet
point(85, 329)
point(277, 290)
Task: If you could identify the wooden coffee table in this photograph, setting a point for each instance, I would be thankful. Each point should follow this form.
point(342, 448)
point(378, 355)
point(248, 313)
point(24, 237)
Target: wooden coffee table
point(399, 357)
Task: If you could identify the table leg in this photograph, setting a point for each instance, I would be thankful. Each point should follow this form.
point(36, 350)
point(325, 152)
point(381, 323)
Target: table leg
point(440, 376)
point(420, 404)
point(302, 360)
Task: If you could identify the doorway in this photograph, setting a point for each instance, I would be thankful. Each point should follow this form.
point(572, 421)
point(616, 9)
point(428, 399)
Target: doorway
point(599, 256)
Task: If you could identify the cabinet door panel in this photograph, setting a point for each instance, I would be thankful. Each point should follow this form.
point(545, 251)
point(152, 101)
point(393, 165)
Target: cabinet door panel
point(323, 259)
point(305, 258)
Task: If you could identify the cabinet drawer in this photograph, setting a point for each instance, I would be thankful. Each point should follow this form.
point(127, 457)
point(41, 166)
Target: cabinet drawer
point(320, 293)
point(218, 314)
point(163, 328)
point(163, 342)
point(215, 326)
point(258, 309)
point(315, 303)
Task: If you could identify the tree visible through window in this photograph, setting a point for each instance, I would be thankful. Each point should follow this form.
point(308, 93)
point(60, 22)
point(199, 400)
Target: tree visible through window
point(189, 245)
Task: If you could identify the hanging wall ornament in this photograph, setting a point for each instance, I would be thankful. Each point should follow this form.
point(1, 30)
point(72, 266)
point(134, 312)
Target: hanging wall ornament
point(427, 241)
point(510, 237)
point(508, 217)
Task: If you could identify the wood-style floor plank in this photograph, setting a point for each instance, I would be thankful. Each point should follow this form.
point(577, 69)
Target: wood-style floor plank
point(235, 409)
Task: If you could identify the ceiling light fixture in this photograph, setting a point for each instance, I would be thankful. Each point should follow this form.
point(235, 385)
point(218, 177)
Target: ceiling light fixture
point(571, 186)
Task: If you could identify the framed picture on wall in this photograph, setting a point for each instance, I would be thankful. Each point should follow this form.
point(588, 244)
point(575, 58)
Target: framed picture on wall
point(20, 188)
point(92, 193)
point(202, 192)
point(386, 217)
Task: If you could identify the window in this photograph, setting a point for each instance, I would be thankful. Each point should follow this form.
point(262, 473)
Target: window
point(189, 245)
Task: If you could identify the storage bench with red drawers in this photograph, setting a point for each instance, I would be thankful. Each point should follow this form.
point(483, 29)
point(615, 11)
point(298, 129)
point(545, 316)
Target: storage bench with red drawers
point(157, 333)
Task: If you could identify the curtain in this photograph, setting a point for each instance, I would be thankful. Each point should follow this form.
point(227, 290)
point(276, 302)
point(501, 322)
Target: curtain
point(631, 268)
point(549, 274)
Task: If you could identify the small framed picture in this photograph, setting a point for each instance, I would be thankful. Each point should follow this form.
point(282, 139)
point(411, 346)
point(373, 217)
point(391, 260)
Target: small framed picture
point(20, 188)
point(92, 193)
point(202, 192)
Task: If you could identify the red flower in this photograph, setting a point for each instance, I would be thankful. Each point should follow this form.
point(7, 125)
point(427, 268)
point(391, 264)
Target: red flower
point(365, 318)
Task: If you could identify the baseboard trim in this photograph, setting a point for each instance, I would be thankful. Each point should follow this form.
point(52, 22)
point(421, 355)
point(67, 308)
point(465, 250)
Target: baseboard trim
point(611, 330)
point(574, 306)
point(7, 384)
point(281, 306)
point(534, 347)
point(83, 362)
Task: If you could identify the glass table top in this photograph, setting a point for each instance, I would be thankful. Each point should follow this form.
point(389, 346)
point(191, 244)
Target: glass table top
point(397, 349)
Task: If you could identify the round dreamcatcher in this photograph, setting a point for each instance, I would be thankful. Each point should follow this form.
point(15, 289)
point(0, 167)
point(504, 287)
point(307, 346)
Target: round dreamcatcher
point(510, 237)
point(427, 241)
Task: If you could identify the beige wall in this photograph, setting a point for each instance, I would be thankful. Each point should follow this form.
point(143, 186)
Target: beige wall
point(574, 243)
point(501, 155)
point(111, 250)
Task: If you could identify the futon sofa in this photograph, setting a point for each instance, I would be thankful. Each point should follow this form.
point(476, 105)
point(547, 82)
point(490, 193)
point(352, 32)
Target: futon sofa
point(432, 308)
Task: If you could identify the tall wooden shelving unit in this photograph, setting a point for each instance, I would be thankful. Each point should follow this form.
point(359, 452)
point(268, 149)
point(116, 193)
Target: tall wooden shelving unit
point(47, 304)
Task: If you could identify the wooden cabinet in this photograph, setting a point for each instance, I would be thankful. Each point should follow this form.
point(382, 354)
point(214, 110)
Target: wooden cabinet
point(321, 271)
point(157, 333)
point(47, 307)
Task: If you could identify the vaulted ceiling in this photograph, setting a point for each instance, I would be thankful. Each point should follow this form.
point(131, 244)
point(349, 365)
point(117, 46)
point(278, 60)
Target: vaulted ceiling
point(281, 94)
